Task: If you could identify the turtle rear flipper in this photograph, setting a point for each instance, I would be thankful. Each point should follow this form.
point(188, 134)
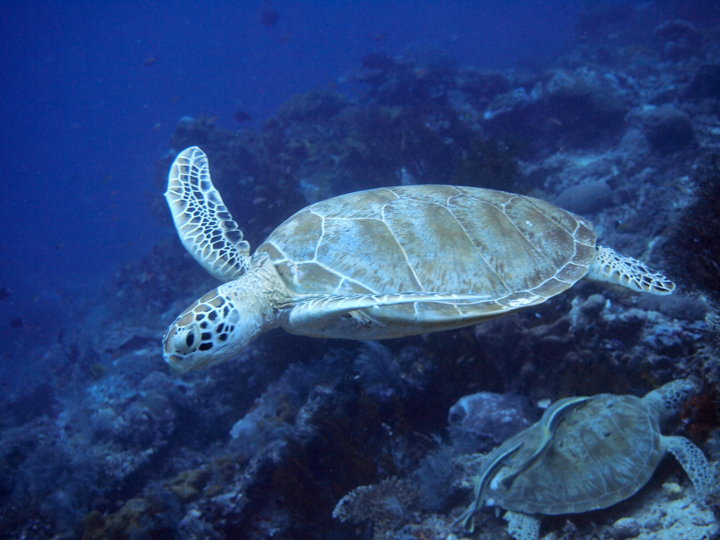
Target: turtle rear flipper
point(612, 267)
point(696, 465)
point(203, 222)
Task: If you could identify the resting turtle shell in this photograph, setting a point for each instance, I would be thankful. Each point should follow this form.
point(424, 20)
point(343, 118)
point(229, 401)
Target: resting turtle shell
point(378, 264)
point(586, 453)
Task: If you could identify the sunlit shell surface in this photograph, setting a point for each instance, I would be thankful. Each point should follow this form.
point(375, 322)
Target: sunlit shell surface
point(510, 250)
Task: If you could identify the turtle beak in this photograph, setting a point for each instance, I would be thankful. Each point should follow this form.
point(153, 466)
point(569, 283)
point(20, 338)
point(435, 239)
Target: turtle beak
point(178, 346)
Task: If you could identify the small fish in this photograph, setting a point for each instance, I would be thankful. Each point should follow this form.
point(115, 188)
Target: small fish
point(241, 116)
point(378, 60)
point(17, 323)
point(269, 15)
point(149, 61)
point(5, 293)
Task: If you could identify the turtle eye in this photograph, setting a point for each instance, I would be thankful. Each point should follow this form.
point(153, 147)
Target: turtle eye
point(185, 339)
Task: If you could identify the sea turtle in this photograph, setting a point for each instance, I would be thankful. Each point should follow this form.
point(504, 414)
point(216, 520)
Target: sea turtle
point(376, 264)
point(585, 453)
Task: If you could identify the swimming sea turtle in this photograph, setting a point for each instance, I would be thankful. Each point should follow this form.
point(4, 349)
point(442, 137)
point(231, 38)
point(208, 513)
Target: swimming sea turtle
point(382, 263)
point(586, 453)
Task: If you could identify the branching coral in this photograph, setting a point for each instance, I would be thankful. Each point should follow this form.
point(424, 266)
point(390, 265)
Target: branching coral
point(386, 504)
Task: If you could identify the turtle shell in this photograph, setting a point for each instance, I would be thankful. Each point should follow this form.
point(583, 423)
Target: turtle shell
point(511, 249)
point(599, 454)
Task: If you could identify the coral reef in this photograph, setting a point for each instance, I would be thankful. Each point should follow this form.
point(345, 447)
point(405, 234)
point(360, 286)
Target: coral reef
point(705, 83)
point(667, 128)
point(679, 40)
point(485, 419)
point(575, 108)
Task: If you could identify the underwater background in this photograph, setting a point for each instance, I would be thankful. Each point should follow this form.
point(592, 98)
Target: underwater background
point(608, 109)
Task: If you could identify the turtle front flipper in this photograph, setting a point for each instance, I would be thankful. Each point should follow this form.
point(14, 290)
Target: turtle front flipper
point(206, 228)
point(372, 316)
point(612, 267)
point(697, 467)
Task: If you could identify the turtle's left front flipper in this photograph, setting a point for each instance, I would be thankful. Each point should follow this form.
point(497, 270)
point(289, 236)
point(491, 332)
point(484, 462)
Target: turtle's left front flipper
point(703, 476)
point(203, 222)
point(315, 311)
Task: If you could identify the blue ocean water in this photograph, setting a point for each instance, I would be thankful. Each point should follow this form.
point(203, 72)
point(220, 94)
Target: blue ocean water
point(93, 90)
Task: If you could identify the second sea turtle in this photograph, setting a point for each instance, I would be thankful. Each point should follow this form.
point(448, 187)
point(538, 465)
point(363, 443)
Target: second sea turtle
point(586, 453)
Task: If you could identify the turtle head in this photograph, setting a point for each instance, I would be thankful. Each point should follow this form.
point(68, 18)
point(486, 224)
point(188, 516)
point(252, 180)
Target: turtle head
point(670, 397)
point(213, 329)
